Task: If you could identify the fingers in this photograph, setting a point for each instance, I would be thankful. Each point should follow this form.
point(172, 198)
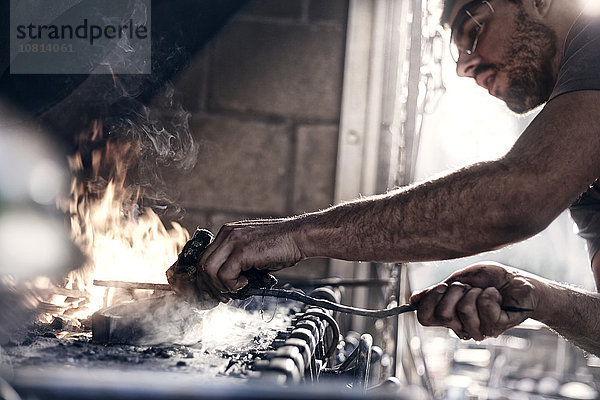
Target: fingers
point(238, 247)
point(488, 303)
point(215, 257)
point(482, 275)
point(230, 274)
point(468, 314)
point(207, 290)
point(453, 306)
point(470, 301)
point(446, 309)
point(427, 301)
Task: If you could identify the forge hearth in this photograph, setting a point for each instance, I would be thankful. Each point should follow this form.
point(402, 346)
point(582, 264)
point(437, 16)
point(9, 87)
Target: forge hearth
point(49, 346)
point(248, 349)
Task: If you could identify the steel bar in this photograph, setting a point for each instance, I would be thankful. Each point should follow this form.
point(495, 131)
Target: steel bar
point(346, 282)
point(134, 285)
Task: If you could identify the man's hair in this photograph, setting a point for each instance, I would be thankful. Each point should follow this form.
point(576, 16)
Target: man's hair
point(449, 5)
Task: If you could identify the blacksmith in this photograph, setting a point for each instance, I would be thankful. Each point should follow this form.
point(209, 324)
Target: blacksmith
point(527, 53)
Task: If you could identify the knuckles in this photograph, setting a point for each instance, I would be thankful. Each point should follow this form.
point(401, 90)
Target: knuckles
point(425, 320)
point(466, 310)
point(444, 316)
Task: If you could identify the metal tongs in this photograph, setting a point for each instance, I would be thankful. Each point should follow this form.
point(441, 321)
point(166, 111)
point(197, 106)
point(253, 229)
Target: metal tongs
point(260, 283)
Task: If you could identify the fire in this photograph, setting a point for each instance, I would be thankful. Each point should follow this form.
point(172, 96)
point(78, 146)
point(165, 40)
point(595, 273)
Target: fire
point(120, 240)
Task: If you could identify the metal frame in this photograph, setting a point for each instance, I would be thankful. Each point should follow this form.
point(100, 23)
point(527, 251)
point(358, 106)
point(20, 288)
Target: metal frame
point(380, 123)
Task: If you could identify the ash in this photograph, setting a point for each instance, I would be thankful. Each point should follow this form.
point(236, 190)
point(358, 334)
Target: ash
point(229, 341)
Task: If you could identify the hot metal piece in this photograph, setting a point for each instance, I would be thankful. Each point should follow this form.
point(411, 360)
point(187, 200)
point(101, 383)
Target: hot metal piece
point(133, 285)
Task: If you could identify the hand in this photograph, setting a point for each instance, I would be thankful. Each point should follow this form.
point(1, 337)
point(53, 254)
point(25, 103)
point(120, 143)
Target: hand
point(238, 247)
point(193, 287)
point(469, 301)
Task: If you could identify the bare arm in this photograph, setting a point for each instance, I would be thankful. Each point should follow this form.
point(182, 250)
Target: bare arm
point(573, 313)
point(478, 208)
point(469, 301)
point(475, 209)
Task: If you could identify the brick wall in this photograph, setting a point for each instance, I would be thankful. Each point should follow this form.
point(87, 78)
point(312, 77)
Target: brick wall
point(265, 100)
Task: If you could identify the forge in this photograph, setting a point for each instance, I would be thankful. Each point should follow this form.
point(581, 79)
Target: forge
point(247, 349)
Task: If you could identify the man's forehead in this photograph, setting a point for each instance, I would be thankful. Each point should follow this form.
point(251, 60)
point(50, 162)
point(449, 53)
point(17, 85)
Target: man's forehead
point(457, 7)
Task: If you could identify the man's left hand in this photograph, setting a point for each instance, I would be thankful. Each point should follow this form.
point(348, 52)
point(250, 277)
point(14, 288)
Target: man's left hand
point(469, 301)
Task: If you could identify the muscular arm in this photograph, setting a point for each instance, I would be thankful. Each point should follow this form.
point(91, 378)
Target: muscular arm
point(478, 208)
point(573, 313)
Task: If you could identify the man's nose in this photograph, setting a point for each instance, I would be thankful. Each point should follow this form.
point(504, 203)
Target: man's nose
point(466, 64)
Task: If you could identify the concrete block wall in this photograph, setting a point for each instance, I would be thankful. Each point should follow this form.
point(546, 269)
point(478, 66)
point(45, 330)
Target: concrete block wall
point(265, 99)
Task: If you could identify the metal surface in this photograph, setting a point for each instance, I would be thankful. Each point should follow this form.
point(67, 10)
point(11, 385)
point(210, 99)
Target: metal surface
point(110, 384)
point(363, 361)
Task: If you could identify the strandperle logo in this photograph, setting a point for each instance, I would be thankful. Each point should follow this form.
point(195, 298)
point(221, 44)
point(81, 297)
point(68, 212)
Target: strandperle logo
point(80, 37)
point(83, 31)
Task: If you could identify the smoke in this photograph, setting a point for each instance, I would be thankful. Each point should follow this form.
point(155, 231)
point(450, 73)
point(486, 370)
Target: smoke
point(169, 320)
point(143, 146)
point(161, 129)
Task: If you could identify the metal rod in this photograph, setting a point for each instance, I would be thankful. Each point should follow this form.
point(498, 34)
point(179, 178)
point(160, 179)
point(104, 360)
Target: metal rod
point(134, 285)
point(329, 305)
point(363, 361)
point(346, 282)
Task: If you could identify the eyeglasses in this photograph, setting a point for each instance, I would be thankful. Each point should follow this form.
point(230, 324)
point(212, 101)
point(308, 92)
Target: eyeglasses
point(467, 27)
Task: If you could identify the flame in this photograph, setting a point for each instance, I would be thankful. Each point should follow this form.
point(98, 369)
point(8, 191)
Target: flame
point(120, 240)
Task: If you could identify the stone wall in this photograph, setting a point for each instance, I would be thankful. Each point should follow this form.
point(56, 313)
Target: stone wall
point(265, 99)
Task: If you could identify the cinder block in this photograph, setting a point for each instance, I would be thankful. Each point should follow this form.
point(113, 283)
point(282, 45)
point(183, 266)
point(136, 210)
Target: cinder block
point(314, 180)
point(242, 167)
point(291, 71)
point(273, 8)
point(328, 10)
point(191, 83)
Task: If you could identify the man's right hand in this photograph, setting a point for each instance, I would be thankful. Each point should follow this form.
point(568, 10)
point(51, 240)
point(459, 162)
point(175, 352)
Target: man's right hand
point(240, 246)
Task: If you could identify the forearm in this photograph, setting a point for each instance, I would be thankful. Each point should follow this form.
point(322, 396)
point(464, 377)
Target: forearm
point(476, 209)
point(571, 312)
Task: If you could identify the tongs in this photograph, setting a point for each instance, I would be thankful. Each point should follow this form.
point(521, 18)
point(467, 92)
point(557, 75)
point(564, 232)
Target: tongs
point(260, 283)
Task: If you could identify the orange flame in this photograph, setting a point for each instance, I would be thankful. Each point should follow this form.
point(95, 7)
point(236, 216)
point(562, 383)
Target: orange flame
point(120, 241)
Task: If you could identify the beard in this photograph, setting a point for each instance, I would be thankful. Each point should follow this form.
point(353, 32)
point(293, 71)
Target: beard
point(529, 59)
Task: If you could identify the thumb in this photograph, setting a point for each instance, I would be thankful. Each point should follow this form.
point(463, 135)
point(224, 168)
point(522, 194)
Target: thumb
point(417, 297)
point(240, 283)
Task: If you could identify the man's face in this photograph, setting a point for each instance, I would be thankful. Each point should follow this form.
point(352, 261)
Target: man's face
point(514, 53)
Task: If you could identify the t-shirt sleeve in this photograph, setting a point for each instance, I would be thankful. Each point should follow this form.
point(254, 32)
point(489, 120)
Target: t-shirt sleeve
point(580, 66)
point(586, 214)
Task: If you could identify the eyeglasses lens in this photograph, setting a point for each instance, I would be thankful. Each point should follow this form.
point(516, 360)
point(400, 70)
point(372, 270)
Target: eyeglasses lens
point(467, 27)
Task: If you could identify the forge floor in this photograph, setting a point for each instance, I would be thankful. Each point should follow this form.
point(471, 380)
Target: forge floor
point(226, 351)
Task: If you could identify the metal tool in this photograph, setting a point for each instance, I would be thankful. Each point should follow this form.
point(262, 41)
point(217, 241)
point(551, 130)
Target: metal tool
point(293, 295)
point(260, 283)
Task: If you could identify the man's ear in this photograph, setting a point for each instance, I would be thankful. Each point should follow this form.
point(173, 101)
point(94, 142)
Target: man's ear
point(541, 7)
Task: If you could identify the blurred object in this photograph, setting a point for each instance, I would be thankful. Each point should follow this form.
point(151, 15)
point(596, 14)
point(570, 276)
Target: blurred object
point(578, 390)
point(33, 238)
point(7, 392)
point(32, 242)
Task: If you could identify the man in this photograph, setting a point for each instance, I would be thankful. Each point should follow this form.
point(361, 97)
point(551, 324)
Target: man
point(526, 53)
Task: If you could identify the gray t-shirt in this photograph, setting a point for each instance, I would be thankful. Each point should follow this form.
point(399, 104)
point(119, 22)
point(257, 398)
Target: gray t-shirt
point(580, 70)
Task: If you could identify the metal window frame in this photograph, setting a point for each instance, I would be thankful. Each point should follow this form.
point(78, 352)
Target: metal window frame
point(379, 122)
